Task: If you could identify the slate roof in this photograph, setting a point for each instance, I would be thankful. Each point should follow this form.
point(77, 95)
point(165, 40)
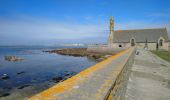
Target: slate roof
point(140, 35)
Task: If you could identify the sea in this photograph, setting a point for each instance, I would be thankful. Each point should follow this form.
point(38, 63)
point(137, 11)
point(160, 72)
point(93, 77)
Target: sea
point(37, 71)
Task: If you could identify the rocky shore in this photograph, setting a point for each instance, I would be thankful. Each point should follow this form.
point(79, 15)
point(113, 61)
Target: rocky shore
point(71, 51)
point(81, 52)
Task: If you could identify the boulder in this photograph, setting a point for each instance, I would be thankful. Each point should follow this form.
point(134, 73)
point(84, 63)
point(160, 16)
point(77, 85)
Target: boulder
point(5, 77)
point(57, 79)
point(4, 94)
point(23, 86)
point(13, 58)
point(22, 72)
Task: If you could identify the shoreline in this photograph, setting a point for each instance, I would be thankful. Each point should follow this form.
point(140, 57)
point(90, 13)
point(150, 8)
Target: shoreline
point(81, 52)
point(23, 88)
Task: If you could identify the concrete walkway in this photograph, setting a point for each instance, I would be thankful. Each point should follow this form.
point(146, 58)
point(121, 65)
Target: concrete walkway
point(149, 79)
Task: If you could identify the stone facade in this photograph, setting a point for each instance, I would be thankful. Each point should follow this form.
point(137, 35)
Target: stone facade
point(151, 46)
point(150, 39)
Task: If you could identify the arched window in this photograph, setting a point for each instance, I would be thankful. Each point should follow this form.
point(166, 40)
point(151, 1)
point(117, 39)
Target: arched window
point(132, 42)
point(161, 42)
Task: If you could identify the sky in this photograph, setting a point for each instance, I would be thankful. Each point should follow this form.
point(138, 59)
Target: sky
point(51, 22)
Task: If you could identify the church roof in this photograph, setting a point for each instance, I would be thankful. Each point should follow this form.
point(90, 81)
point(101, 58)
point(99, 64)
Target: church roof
point(140, 35)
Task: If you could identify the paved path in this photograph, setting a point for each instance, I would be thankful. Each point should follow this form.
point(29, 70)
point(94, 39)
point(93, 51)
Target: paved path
point(149, 79)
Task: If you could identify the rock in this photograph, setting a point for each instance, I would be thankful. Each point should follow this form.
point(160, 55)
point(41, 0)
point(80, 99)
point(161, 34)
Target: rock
point(107, 56)
point(67, 74)
point(23, 86)
point(4, 94)
point(22, 72)
point(13, 58)
point(100, 59)
point(57, 79)
point(5, 77)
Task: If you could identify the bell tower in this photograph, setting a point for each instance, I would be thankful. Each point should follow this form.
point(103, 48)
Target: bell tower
point(111, 24)
point(110, 39)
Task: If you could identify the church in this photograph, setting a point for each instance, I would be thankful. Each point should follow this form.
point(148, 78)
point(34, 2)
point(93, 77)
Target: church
point(150, 39)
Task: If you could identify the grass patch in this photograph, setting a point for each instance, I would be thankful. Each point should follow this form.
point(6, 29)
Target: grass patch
point(163, 54)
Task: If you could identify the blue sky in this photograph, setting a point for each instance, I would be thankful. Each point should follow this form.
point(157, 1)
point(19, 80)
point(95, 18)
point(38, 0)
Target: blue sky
point(48, 22)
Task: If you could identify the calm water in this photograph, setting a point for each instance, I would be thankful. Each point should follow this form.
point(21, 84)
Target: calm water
point(38, 68)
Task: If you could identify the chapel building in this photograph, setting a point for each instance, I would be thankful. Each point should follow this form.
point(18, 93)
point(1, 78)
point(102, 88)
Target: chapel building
point(150, 39)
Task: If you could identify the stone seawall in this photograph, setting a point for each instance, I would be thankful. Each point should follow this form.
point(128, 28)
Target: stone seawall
point(118, 90)
point(103, 81)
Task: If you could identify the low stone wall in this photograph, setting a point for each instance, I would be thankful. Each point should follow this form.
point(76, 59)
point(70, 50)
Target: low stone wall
point(104, 49)
point(118, 90)
point(104, 81)
point(97, 48)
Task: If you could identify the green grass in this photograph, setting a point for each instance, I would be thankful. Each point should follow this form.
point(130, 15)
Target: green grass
point(163, 54)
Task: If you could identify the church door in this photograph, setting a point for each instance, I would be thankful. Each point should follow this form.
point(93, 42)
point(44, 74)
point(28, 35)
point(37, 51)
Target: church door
point(160, 42)
point(132, 42)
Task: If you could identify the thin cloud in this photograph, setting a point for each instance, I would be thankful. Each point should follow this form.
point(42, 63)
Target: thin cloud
point(34, 30)
point(39, 31)
point(49, 29)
